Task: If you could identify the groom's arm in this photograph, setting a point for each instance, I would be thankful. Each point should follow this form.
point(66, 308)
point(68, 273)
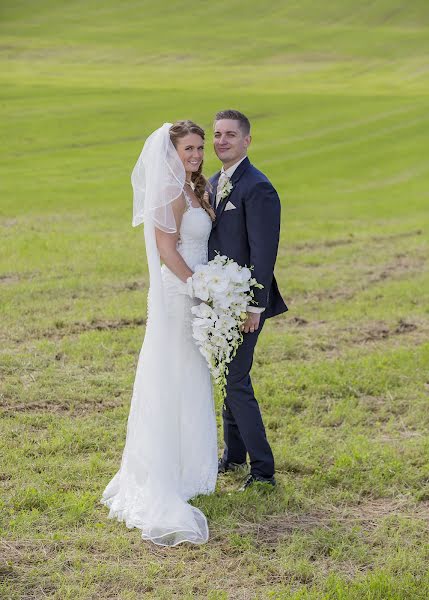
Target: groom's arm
point(263, 231)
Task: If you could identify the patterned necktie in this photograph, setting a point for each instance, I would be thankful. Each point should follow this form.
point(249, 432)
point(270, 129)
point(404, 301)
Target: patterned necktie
point(222, 181)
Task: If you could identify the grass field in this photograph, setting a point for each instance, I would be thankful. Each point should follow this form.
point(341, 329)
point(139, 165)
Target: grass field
point(338, 96)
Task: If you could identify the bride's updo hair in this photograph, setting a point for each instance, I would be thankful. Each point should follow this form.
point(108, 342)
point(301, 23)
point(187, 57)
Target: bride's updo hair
point(178, 130)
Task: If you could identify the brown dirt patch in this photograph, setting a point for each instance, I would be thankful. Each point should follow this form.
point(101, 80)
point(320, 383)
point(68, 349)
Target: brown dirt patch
point(63, 329)
point(298, 321)
point(8, 222)
point(353, 239)
point(402, 267)
point(326, 244)
point(74, 408)
point(10, 278)
point(379, 331)
point(368, 515)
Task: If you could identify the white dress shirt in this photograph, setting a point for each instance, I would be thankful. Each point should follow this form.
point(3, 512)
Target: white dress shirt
point(228, 172)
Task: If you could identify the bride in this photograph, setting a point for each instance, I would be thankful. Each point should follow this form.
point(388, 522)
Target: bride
point(170, 453)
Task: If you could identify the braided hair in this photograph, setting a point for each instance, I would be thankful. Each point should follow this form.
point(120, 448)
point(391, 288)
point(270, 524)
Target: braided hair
point(178, 130)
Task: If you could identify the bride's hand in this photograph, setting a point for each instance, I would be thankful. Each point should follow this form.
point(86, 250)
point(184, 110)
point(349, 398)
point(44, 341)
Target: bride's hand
point(190, 287)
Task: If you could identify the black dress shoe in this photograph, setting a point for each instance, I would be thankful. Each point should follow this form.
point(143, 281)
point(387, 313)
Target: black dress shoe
point(223, 467)
point(252, 479)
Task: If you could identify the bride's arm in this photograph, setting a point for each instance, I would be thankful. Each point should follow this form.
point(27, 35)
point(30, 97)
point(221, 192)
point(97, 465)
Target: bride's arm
point(167, 242)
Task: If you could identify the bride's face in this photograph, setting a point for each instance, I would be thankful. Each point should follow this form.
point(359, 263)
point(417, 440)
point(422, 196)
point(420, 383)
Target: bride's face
point(190, 149)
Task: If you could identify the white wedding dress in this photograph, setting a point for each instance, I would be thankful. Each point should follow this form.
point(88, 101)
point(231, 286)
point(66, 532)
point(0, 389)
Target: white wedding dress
point(170, 453)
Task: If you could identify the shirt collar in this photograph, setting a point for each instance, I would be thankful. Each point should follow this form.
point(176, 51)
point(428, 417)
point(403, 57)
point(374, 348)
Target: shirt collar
point(229, 172)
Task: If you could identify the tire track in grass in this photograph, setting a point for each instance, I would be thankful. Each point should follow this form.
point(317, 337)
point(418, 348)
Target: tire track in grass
point(345, 143)
point(317, 133)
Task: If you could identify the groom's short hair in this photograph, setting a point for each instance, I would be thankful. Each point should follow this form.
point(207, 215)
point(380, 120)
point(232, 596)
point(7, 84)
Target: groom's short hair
point(235, 115)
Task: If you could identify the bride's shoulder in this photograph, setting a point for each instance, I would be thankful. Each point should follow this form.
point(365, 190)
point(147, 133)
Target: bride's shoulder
point(187, 200)
point(180, 204)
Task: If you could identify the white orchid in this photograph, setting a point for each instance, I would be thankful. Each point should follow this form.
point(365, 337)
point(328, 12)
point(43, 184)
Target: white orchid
point(204, 311)
point(226, 290)
point(226, 190)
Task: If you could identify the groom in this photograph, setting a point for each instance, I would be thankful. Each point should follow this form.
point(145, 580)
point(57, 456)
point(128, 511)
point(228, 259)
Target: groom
point(246, 229)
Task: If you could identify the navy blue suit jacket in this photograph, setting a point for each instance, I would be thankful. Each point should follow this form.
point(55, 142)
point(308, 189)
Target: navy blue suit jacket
point(250, 232)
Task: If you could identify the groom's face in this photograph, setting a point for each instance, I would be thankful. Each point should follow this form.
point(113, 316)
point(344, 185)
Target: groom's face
point(230, 142)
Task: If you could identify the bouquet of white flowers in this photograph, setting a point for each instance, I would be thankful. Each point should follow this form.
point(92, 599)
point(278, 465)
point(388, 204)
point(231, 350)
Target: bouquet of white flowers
point(226, 290)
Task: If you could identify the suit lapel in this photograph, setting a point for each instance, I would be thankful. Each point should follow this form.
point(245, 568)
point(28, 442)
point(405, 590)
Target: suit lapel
point(234, 180)
point(212, 193)
point(221, 206)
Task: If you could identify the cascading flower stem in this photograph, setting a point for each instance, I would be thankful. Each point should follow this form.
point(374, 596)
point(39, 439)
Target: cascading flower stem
point(225, 289)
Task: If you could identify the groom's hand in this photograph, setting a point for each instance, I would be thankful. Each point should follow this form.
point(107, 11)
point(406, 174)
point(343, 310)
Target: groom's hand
point(251, 324)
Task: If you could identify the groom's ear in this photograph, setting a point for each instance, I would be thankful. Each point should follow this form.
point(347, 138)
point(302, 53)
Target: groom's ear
point(247, 140)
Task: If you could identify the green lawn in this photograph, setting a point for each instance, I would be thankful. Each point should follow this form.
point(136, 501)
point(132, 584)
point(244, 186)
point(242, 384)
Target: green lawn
point(338, 95)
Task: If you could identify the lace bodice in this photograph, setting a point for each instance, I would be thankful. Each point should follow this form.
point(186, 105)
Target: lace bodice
point(194, 234)
point(192, 244)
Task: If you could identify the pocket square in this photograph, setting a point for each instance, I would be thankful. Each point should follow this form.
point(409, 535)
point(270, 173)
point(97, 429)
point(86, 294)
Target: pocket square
point(230, 206)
